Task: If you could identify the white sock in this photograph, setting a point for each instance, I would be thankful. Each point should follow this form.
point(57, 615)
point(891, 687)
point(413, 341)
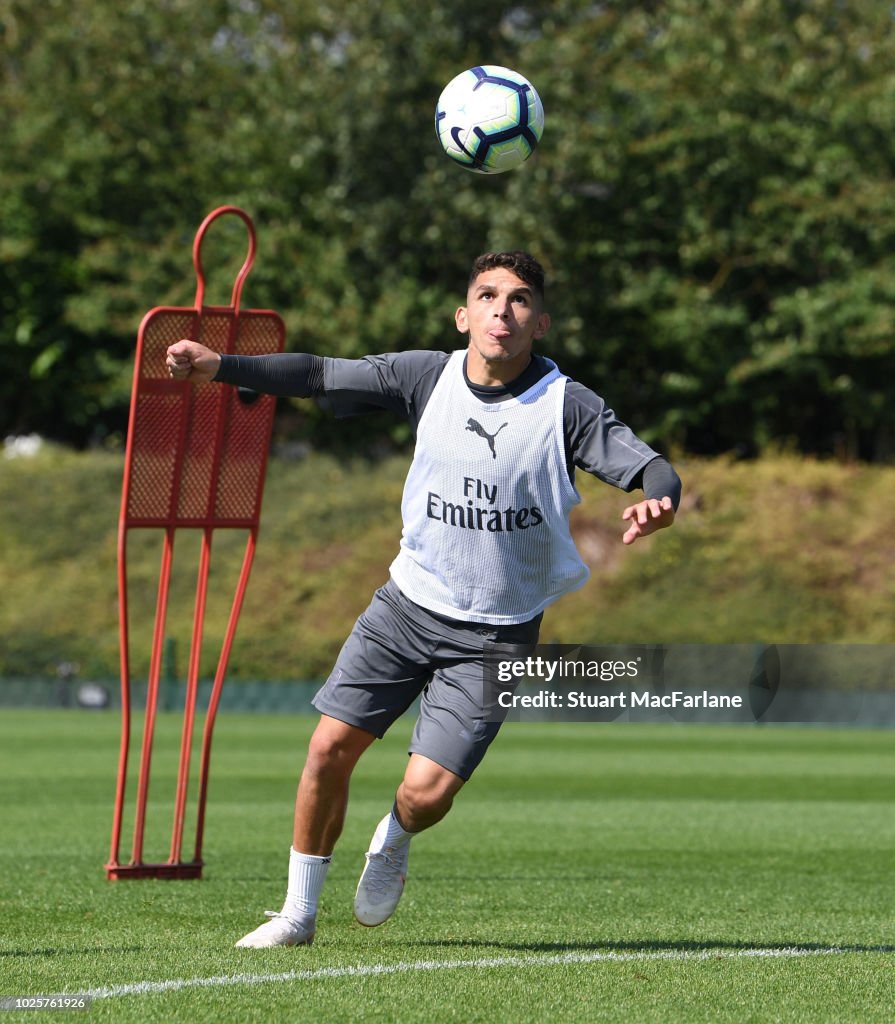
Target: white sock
point(307, 874)
point(391, 834)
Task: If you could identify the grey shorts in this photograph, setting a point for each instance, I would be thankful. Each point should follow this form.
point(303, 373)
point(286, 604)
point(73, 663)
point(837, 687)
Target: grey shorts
point(399, 651)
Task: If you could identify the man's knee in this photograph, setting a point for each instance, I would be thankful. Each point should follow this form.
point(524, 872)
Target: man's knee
point(417, 801)
point(335, 747)
point(426, 793)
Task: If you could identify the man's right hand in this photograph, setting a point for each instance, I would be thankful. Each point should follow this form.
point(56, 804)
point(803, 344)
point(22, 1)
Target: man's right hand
point(188, 360)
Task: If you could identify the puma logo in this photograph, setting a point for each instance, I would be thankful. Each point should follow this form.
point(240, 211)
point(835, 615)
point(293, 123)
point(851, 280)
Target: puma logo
point(477, 428)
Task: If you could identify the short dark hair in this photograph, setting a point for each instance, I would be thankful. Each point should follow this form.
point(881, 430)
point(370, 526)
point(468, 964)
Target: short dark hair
point(522, 264)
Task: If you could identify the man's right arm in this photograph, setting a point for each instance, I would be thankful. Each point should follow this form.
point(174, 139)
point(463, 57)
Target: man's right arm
point(292, 374)
point(398, 382)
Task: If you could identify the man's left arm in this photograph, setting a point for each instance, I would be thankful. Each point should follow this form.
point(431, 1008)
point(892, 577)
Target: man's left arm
point(600, 444)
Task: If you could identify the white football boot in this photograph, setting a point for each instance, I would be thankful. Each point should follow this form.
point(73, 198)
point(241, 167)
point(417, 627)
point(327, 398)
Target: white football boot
point(382, 882)
point(279, 931)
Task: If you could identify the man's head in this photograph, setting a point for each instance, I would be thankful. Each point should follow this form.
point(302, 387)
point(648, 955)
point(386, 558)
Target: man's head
point(522, 264)
point(504, 314)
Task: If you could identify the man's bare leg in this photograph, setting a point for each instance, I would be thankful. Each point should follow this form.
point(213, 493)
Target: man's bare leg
point(320, 806)
point(322, 797)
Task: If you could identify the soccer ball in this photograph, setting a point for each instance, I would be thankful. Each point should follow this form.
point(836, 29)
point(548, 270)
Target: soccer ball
point(489, 119)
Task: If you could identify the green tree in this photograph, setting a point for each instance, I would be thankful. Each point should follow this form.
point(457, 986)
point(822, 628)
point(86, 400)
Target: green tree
point(733, 171)
point(711, 197)
point(128, 122)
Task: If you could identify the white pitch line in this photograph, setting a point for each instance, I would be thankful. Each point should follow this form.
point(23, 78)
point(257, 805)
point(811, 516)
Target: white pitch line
point(143, 988)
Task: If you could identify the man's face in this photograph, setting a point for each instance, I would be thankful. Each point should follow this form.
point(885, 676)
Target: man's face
point(503, 317)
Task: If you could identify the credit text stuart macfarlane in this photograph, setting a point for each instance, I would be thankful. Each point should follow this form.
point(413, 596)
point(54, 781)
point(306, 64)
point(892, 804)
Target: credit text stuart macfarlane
point(634, 699)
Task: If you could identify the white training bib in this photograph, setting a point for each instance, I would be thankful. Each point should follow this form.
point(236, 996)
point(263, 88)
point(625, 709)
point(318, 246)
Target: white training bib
point(486, 504)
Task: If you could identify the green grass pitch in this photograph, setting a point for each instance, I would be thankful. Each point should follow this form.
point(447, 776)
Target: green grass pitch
point(588, 873)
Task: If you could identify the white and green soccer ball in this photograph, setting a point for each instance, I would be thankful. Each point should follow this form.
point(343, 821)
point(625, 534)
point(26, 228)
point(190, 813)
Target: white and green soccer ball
point(489, 119)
